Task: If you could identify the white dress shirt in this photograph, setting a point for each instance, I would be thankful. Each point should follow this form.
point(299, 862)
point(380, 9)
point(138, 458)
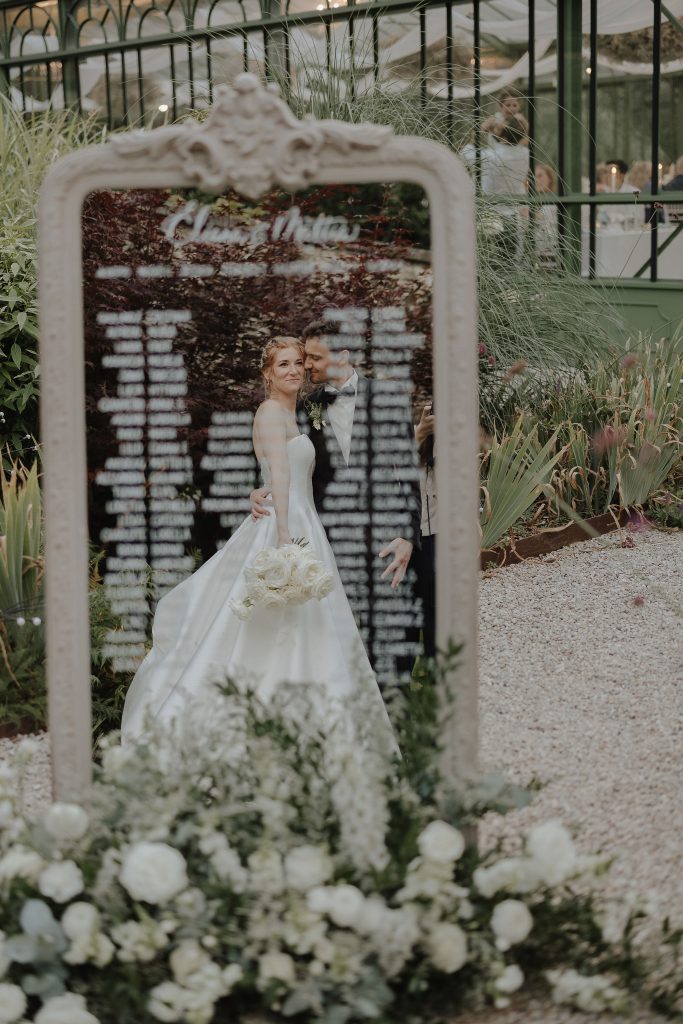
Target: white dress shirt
point(340, 414)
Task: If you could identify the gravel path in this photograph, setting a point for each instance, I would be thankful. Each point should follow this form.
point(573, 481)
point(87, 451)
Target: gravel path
point(582, 689)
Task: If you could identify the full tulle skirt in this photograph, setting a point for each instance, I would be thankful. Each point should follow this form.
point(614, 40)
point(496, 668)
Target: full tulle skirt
point(199, 641)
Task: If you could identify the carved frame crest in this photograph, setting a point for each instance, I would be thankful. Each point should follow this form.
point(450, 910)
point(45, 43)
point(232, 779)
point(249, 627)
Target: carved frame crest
point(252, 141)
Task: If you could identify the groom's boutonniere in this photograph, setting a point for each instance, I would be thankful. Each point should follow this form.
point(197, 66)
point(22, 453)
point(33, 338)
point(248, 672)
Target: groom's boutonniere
point(315, 413)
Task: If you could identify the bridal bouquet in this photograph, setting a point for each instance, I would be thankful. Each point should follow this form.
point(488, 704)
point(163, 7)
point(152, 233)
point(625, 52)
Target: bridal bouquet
point(282, 576)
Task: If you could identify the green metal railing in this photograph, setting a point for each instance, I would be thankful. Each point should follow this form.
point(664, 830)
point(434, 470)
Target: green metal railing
point(123, 36)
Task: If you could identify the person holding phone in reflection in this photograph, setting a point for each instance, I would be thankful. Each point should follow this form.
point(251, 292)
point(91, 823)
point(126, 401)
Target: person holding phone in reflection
point(201, 635)
point(345, 398)
point(426, 562)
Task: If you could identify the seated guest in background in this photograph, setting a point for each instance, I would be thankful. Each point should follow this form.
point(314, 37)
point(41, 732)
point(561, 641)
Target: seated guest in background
point(640, 175)
point(616, 176)
point(545, 216)
point(601, 176)
point(674, 211)
point(504, 171)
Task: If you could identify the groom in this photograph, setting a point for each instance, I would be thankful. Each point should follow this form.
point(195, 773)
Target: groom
point(367, 494)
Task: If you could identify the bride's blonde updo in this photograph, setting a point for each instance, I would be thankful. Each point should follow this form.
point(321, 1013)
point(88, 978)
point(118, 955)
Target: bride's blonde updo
point(270, 351)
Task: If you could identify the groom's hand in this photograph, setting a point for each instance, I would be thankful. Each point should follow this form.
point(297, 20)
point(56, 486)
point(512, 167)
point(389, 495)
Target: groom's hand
point(401, 550)
point(257, 499)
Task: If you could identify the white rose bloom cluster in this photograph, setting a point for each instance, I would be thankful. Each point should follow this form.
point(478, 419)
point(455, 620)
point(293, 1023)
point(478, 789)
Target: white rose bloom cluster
point(19, 862)
point(283, 576)
point(198, 983)
point(140, 941)
point(61, 881)
point(66, 822)
point(65, 1009)
point(153, 872)
point(589, 993)
point(511, 923)
point(81, 924)
point(12, 1003)
point(224, 860)
point(549, 859)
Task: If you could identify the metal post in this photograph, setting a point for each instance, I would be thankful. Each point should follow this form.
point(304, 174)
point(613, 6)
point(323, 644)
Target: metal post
point(592, 134)
point(569, 69)
point(68, 40)
point(656, 79)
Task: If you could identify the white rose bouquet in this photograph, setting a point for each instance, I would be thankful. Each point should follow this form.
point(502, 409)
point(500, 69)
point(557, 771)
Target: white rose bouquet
point(282, 576)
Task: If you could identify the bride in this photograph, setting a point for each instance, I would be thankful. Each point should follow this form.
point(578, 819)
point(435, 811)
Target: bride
point(199, 640)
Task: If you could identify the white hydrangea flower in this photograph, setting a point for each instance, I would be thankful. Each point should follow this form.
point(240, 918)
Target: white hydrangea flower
point(167, 1002)
point(447, 946)
point(65, 1009)
point(224, 860)
point(510, 874)
point(275, 966)
point(266, 871)
point(81, 924)
point(510, 980)
point(19, 862)
point(346, 903)
point(511, 922)
point(140, 941)
point(66, 822)
point(306, 867)
point(61, 881)
point(186, 959)
point(589, 993)
point(153, 872)
point(552, 849)
point(12, 1003)
point(440, 842)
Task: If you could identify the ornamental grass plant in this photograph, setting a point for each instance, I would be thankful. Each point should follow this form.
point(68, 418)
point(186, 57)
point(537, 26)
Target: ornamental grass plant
point(274, 861)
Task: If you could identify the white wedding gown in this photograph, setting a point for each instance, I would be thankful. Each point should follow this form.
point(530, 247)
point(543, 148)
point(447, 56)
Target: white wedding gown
point(198, 640)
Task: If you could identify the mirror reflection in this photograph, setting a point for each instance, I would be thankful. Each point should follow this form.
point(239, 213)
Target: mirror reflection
point(260, 442)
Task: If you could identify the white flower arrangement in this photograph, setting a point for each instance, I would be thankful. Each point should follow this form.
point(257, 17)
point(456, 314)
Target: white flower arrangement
point(278, 577)
point(278, 860)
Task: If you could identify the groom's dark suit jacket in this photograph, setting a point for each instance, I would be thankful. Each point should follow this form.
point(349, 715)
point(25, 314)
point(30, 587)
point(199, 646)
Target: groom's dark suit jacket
point(329, 464)
point(364, 505)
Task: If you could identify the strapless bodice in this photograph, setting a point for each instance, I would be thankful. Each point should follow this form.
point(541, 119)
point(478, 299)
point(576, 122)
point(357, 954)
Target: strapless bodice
point(301, 455)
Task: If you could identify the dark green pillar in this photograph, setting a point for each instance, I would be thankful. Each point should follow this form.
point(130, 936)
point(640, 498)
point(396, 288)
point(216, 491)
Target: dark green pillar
point(68, 40)
point(570, 128)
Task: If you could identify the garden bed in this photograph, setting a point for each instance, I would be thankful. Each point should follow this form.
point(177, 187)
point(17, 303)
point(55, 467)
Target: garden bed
point(551, 539)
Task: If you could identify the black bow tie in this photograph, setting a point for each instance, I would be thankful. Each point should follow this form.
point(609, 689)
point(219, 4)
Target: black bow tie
point(331, 396)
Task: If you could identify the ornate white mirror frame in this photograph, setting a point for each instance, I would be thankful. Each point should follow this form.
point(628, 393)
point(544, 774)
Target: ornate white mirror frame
point(251, 141)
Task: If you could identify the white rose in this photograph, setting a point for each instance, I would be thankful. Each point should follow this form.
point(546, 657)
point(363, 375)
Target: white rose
point(373, 916)
point(318, 899)
point(231, 975)
point(277, 573)
point(61, 881)
point(186, 959)
point(167, 1002)
point(552, 850)
point(441, 842)
point(510, 980)
point(241, 609)
point(267, 871)
point(511, 922)
point(114, 759)
point(66, 1009)
point(447, 945)
point(66, 821)
point(346, 905)
point(12, 1003)
point(277, 967)
point(20, 863)
point(323, 585)
point(307, 867)
point(80, 920)
point(274, 599)
point(153, 872)
point(256, 589)
point(514, 874)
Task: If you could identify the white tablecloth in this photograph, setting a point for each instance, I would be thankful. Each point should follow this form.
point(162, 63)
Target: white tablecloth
point(620, 253)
